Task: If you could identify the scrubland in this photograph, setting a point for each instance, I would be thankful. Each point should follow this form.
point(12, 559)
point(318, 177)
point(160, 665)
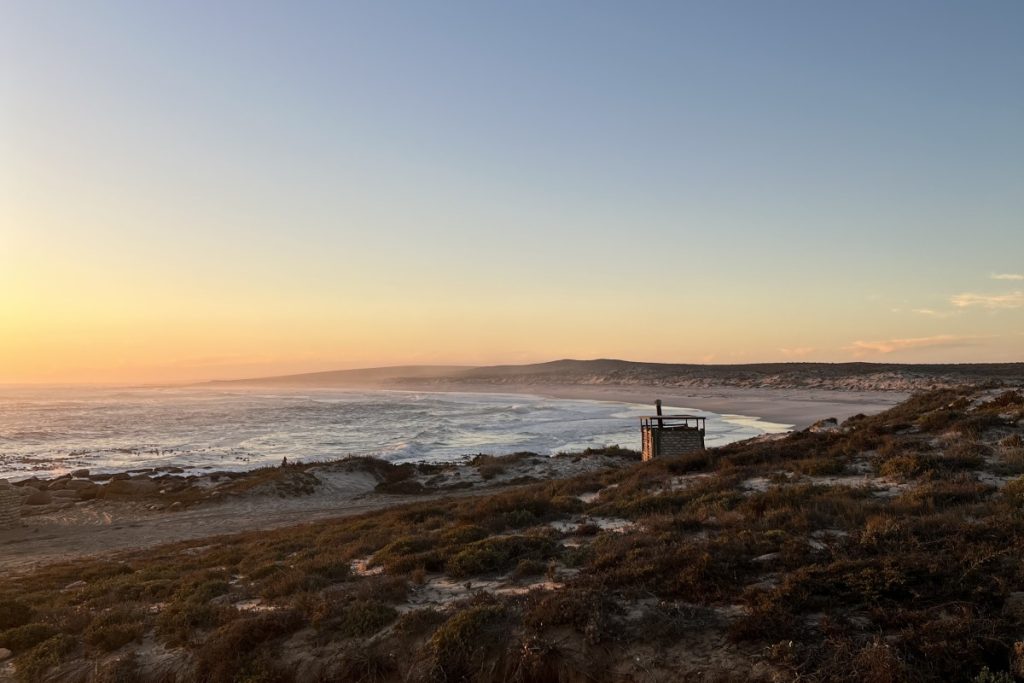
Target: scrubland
point(885, 548)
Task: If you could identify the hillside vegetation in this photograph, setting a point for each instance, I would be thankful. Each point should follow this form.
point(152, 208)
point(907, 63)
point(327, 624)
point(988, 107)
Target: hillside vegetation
point(887, 548)
point(833, 376)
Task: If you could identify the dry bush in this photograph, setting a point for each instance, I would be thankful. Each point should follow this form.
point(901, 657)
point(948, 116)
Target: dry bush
point(471, 645)
point(14, 613)
point(238, 650)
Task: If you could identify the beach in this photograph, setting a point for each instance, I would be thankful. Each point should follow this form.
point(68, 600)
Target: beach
point(798, 408)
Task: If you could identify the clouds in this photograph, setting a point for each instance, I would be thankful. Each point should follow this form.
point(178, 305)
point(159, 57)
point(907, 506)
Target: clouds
point(989, 301)
point(933, 313)
point(869, 348)
point(973, 300)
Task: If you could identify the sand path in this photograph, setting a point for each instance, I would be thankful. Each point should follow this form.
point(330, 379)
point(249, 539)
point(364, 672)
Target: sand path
point(100, 527)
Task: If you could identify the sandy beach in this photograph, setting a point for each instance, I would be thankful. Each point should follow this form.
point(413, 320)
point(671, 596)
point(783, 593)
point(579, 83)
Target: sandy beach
point(798, 408)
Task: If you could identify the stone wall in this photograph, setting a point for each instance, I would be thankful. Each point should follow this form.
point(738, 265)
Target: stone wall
point(10, 506)
point(669, 441)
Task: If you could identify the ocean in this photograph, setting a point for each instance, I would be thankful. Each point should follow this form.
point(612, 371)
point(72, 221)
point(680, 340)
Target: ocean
point(48, 432)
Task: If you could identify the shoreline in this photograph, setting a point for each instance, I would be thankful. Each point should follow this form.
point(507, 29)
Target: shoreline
point(765, 409)
point(796, 408)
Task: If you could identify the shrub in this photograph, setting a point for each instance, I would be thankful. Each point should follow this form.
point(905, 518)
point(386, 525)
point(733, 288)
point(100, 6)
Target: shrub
point(529, 567)
point(185, 615)
point(417, 621)
point(115, 629)
point(33, 665)
point(21, 638)
point(123, 669)
point(291, 581)
point(902, 466)
point(986, 675)
point(976, 425)
point(356, 618)
point(499, 554)
point(361, 664)
point(363, 617)
point(468, 646)
point(408, 553)
point(329, 566)
point(820, 466)
point(1014, 491)
point(587, 609)
point(14, 613)
point(227, 655)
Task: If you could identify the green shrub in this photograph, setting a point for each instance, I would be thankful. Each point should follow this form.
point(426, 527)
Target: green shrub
point(499, 554)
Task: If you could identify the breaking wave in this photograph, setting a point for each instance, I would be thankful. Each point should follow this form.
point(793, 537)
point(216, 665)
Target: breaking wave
point(50, 432)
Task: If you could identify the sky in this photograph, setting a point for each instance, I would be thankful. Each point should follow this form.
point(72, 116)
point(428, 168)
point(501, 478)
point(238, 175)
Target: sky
point(211, 190)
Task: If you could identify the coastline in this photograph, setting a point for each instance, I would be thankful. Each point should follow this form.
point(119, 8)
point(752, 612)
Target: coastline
point(799, 408)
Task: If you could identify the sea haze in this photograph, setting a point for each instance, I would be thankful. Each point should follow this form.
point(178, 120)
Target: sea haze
point(53, 431)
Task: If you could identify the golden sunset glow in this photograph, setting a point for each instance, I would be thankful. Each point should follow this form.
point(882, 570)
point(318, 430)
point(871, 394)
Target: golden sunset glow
point(169, 218)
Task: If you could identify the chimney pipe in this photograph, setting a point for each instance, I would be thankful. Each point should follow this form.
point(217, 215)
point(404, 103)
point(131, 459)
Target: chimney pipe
point(657, 406)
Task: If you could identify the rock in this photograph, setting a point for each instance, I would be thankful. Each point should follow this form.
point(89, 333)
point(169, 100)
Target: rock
point(89, 493)
point(120, 476)
point(100, 477)
point(64, 494)
point(37, 497)
point(829, 424)
point(57, 485)
point(79, 484)
point(75, 585)
point(81, 474)
point(4, 653)
point(129, 487)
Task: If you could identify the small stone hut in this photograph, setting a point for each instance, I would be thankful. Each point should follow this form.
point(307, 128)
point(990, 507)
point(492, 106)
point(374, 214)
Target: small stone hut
point(10, 506)
point(664, 436)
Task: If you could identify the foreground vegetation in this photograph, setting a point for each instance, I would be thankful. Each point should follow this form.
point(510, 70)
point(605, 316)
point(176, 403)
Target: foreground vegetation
point(887, 549)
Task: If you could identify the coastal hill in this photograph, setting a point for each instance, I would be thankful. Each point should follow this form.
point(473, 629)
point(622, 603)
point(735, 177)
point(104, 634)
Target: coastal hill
point(612, 372)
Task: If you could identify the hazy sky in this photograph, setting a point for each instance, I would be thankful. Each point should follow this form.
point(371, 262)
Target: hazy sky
point(215, 189)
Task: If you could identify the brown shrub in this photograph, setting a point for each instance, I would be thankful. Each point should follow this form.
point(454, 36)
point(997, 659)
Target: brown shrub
point(239, 650)
point(470, 645)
